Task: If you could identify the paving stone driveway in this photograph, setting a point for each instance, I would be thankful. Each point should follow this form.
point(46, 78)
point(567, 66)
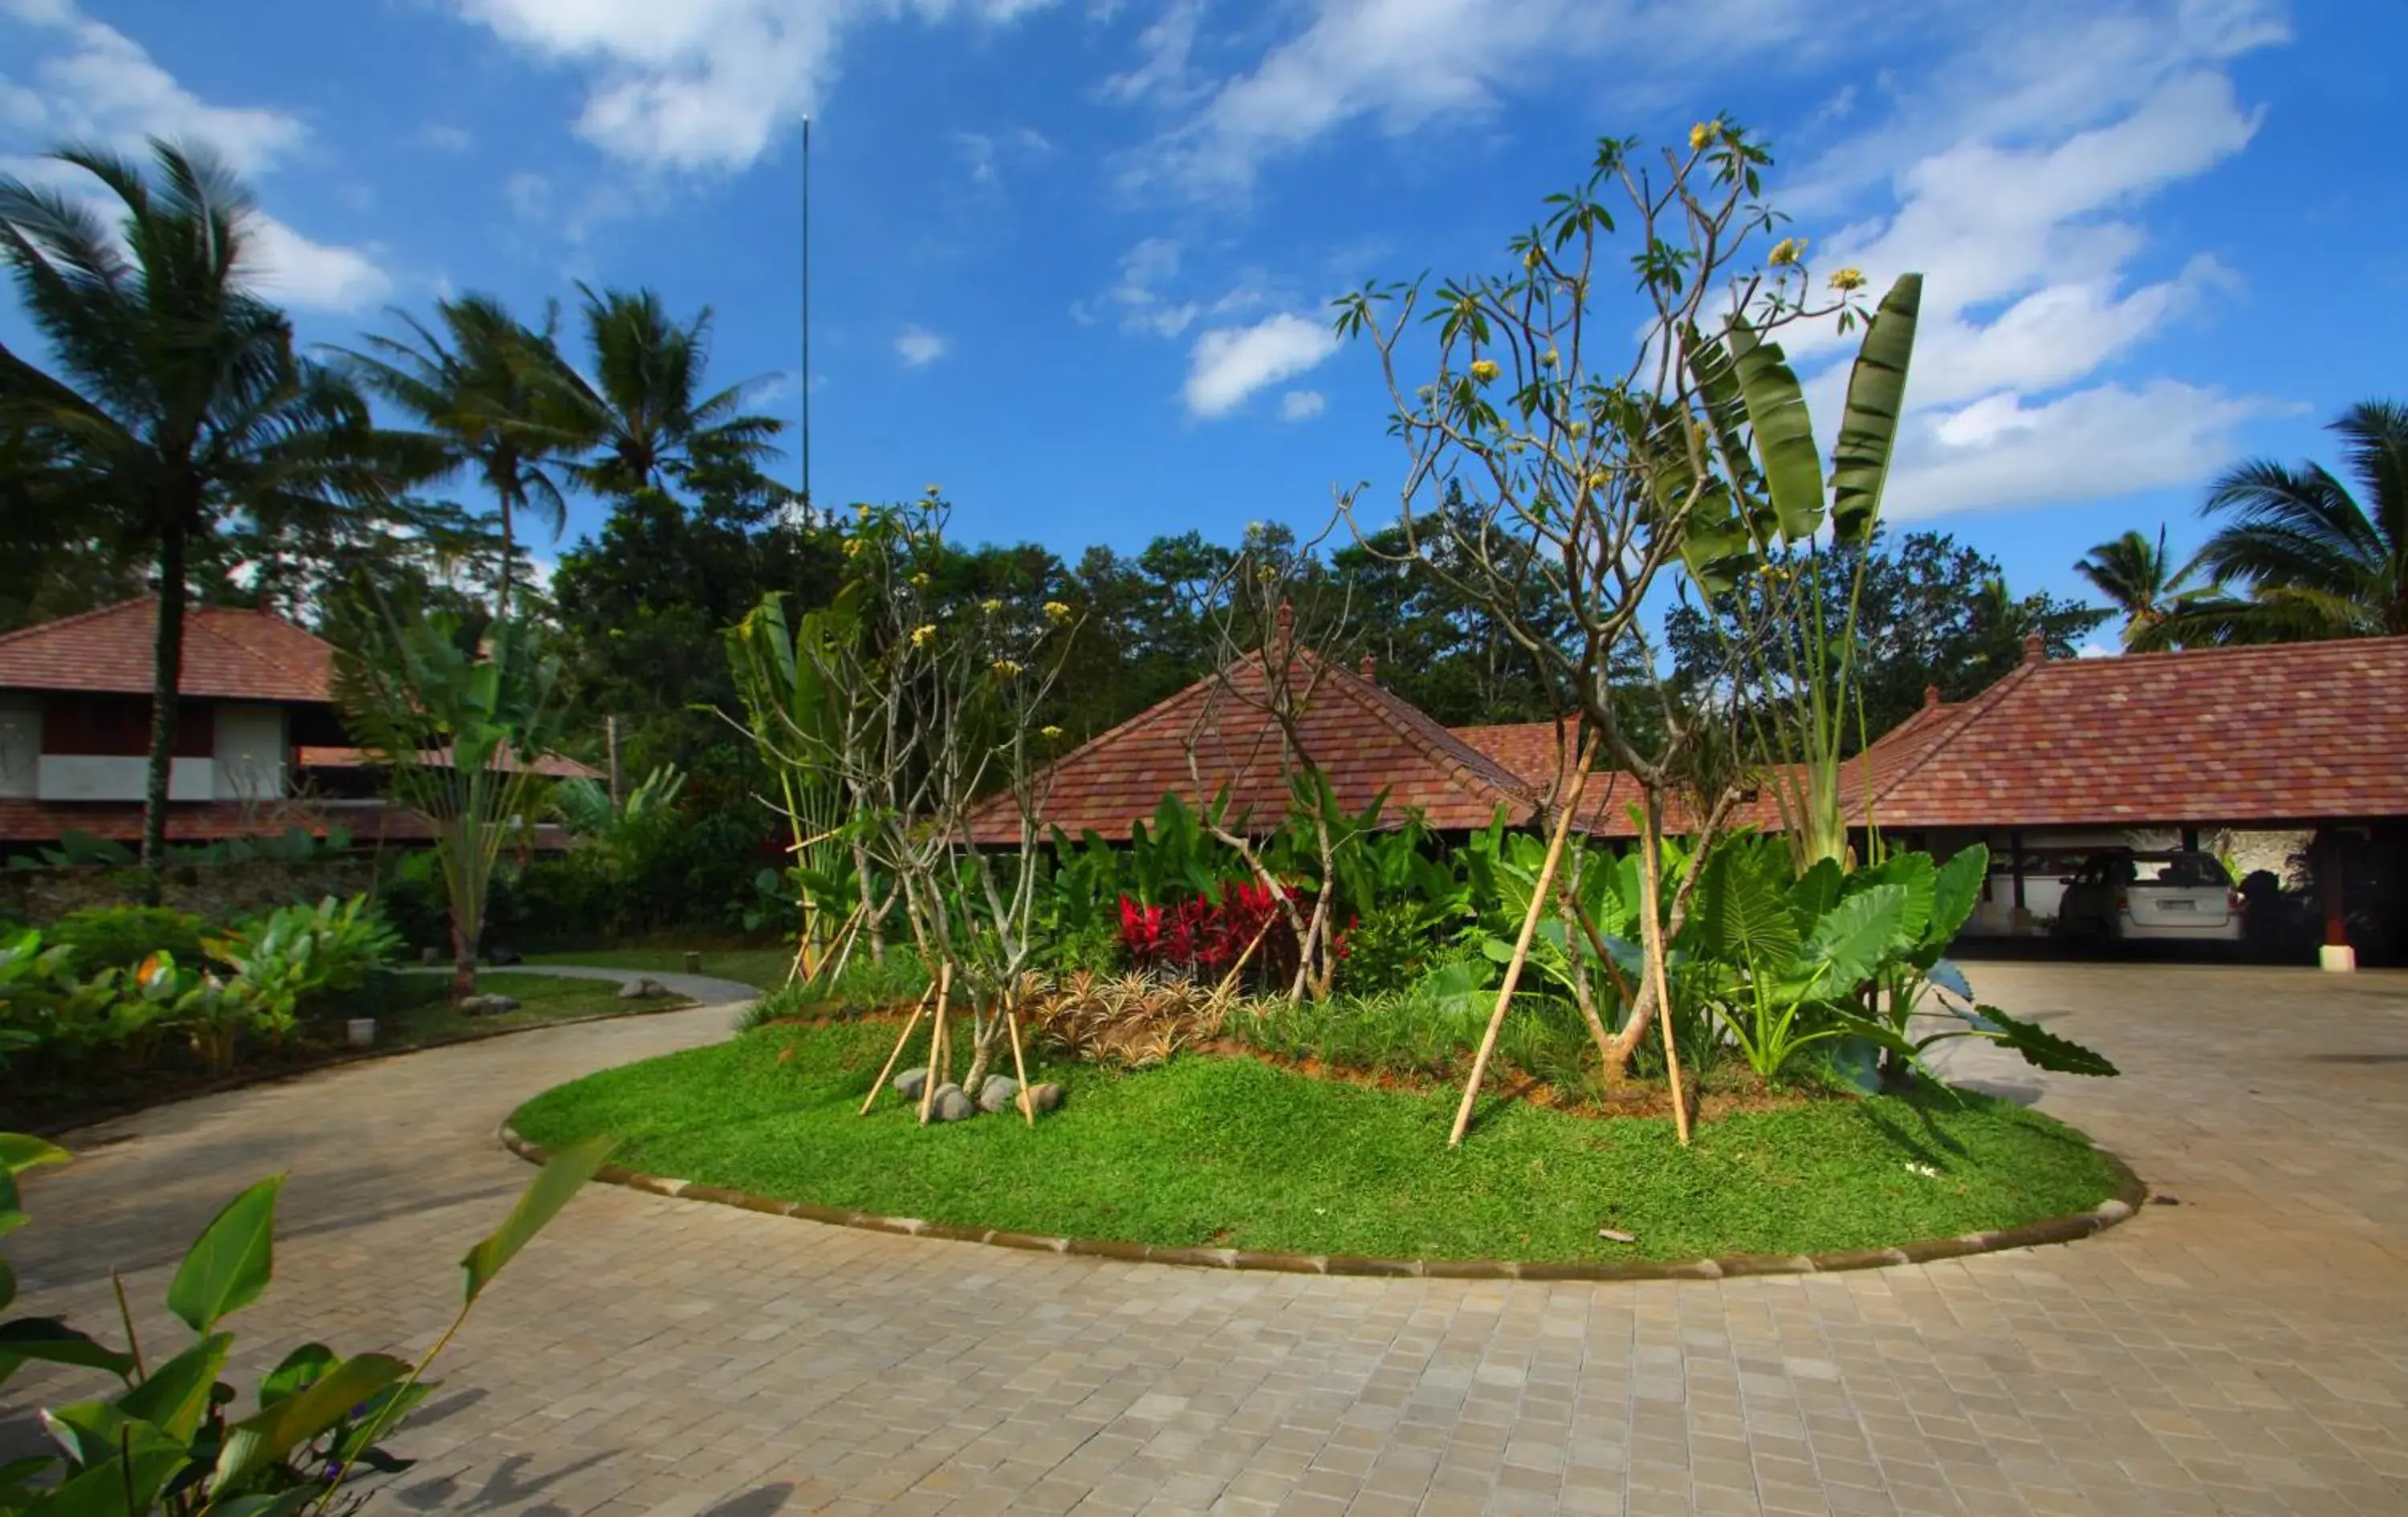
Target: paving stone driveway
point(2245, 1351)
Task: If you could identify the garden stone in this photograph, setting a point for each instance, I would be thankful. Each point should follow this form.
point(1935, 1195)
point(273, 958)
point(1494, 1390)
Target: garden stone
point(487, 1006)
point(642, 990)
point(1045, 1097)
point(430, 956)
point(952, 1104)
point(500, 958)
point(996, 1094)
point(911, 1082)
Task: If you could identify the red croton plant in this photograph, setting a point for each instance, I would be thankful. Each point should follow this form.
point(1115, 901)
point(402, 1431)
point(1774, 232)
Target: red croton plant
point(1210, 934)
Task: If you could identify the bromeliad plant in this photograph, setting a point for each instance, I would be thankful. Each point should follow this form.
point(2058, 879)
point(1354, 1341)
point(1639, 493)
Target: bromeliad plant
point(171, 1436)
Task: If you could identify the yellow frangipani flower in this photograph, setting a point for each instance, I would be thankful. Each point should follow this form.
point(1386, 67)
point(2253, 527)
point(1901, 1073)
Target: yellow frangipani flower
point(923, 635)
point(1050, 734)
point(1702, 134)
point(1007, 669)
point(990, 607)
point(919, 581)
point(1057, 613)
point(1485, 370)
point(1788, 250)
point(1848, 278)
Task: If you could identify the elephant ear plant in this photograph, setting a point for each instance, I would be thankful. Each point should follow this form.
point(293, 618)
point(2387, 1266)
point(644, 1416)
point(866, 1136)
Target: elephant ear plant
point(171, 1436)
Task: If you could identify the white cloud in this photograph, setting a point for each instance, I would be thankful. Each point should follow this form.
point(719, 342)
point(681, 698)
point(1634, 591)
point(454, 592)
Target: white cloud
point(1302, 405)
point(2016, 186)
point(1138, 297)
point(918, 347)
point(1229, 364)
point(443, 136)
point(1405, 65)
point(103, 87)
point(986, 152)
point(2092, 444)
point(702, 84)
point(292, 268)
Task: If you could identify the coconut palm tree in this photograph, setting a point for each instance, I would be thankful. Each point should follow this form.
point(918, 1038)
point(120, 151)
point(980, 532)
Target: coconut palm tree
point(490, 393)
point(2300, 558)
point(2137, 578)
point(176, 400)
point(645, 405)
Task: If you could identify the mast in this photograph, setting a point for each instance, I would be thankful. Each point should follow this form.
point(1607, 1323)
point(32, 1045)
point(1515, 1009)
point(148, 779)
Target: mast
point(805, 448)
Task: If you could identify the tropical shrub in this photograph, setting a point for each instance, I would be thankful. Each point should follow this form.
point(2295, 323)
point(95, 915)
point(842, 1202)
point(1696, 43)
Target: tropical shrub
point(168, 1438)
point(1235, 927)
point(122, 936)
point(1134, 1020)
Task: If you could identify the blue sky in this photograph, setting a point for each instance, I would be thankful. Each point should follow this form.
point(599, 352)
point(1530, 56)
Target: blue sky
point(1072, 257)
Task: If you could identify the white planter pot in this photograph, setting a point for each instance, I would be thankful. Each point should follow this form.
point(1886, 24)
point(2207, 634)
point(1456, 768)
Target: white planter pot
point(360, 1031)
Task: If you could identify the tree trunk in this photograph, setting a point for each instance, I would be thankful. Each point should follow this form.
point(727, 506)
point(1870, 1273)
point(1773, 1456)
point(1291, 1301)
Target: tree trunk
point(984, 1044)
point(166, 679)
point(510, 552)
point(463, 961)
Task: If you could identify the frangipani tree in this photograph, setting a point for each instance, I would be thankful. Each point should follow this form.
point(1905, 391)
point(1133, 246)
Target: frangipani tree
point(903, 714)
point(459, 732)
point(1554, 465)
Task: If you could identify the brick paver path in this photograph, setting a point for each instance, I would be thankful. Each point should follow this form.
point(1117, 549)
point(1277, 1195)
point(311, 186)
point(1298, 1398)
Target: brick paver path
point(2245, 1351)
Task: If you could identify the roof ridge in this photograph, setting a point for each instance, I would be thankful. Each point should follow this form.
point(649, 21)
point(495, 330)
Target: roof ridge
point(1967, 714)
point(78, 618)
point(2221, 651)
point(1436, 741)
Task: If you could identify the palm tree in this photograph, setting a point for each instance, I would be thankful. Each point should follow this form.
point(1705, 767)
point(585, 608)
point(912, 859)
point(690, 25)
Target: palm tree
point(2137, 579)
point(490, 393)
point(2301, 559)
point(644, 404)
point(178, 402)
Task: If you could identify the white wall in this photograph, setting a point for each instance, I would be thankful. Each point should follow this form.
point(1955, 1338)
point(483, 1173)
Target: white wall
point(82, 777)
point(249, 753)
point(21, 745)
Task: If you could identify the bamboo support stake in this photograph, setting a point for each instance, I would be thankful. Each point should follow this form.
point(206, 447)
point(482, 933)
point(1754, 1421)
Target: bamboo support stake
point(913, 1021)
point(1028, 1105)
point(937, 1042)
point(1521, 949)
point(1672, 1073)
point(1650, 862)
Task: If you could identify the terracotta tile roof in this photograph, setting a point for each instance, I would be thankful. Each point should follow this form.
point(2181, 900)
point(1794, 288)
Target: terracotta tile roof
point(1364, 738)
point(38, 822)
point(2292, 732)
point(229, 654)
point(551, 765)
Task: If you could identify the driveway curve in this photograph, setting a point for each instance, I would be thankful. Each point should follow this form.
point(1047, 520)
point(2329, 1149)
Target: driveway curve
point(2245, 1350)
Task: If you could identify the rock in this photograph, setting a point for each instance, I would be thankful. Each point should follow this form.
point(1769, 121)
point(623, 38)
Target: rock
point(430, 956)
point(911, 1082)
point(487, 1006)
point(642, 990)
point(1045, 1097)
point(996, 1094)
point(951, 1105)
point(498, 956)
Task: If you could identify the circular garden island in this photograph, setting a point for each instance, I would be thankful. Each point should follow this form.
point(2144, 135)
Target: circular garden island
point(1230, 1147)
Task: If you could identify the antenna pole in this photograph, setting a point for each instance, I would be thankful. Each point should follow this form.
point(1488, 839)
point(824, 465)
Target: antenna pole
point(807, 320)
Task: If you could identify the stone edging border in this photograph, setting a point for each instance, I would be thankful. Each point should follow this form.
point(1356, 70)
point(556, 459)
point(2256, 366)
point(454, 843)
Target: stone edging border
point(2130, 1195)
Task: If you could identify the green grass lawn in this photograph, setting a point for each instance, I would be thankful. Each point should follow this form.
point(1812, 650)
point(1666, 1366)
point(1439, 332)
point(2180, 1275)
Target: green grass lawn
point(1232, 1152)
point(763, 968)
point(414, 1011)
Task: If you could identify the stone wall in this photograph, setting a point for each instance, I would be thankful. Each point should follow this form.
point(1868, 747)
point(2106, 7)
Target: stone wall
point(215, 891)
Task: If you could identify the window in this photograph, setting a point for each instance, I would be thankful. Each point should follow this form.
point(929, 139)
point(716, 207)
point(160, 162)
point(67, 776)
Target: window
point(118, 726)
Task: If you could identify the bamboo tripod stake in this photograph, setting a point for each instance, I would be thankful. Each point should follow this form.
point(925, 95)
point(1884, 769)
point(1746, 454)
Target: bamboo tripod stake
point(937, 1042)
point(913, 1021)
point(1522, 945)
point(1028, 1105)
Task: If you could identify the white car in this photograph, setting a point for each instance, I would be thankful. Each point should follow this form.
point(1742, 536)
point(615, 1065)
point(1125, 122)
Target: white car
point(2124, 896)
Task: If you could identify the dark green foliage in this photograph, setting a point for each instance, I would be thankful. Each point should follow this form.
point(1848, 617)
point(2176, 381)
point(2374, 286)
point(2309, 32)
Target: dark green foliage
point(1932, 612)
point(121, 937)
point(1227, 1151)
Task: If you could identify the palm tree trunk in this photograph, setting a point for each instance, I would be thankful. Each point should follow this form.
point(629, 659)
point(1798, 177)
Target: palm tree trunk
point(510, 552)
point(166, 679)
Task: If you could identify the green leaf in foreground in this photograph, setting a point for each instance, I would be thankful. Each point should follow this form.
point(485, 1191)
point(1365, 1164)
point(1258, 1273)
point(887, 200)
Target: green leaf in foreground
point(2045, 1049)
point(571, 1167)
point(228, 1266)
point(268, 1435)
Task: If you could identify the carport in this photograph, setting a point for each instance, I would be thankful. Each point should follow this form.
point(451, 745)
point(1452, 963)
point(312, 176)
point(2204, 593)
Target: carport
point(2171, 748)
